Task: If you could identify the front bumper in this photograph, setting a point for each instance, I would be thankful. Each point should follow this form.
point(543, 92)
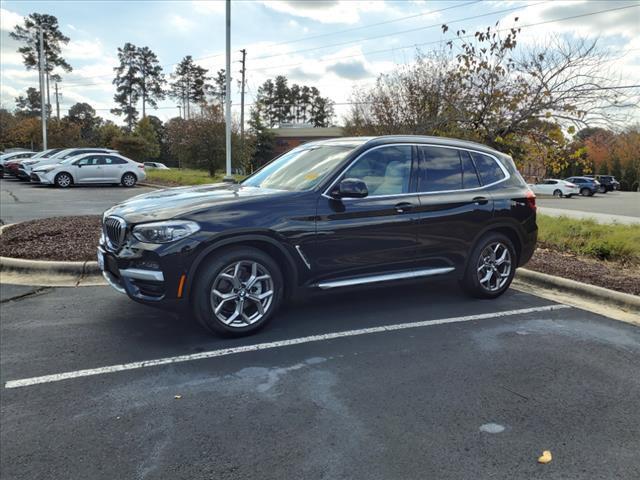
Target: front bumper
point(41, 177)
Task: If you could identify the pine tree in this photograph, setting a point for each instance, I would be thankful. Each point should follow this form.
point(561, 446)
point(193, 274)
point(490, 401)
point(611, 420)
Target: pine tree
point(128, 84)
point(29, 35)
point(29, 106)
point(152, 79)
point(190, 84)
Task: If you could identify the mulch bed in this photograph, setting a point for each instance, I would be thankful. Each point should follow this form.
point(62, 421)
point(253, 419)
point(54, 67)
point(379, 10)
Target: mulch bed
point(612, 275)
point(58, 238)
point(76, 238)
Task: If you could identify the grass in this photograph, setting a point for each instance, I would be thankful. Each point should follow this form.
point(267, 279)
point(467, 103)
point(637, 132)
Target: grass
point(586, 237)
point(181, 176)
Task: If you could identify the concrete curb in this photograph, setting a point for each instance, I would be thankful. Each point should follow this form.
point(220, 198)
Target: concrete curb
point(152, 185)
point(47, 271)
point(623, 300)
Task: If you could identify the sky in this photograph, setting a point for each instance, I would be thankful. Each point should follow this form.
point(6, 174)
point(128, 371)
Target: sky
point(335, 45)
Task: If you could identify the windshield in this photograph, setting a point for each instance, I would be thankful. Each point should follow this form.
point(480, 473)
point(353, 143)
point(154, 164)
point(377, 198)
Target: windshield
point(300, 169)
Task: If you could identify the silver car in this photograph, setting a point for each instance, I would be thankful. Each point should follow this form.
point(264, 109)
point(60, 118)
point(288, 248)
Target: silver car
point(91, 168)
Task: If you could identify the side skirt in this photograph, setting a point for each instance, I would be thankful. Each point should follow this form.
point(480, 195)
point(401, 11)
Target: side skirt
point(384, 278)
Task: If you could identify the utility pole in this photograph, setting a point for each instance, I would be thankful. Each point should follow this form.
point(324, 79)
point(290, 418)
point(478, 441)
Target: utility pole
point(227, 113)
point(43, 106)
point(57, 102)
point(243, 71)
point(180, 110)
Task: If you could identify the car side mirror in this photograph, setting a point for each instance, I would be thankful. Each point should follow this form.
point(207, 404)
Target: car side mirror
point(350, 188)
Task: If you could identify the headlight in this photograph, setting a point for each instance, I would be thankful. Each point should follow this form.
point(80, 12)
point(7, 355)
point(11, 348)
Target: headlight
point(44, 169)
point(165, 232)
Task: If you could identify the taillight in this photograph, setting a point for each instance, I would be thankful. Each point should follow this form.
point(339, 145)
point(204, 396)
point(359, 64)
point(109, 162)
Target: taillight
point(531, 200)
point(572, 185)
point(141, 166)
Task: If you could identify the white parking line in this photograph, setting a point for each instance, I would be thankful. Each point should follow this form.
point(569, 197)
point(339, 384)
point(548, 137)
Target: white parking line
point(25, 382)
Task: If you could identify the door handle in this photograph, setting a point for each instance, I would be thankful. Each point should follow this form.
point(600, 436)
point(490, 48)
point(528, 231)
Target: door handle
point(480, 200)
point(403, 207)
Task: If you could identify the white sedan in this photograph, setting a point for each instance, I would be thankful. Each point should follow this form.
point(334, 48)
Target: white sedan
point(555, 187)
point(91, 168)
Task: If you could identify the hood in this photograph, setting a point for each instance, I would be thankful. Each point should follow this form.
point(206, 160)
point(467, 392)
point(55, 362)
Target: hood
point(179, 201)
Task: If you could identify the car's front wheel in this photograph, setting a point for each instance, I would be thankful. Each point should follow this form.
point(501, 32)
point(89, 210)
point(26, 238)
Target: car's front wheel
point(63, 180)
point(602, 189)
point(129, 180)
point(237, 291)
point(491, 267)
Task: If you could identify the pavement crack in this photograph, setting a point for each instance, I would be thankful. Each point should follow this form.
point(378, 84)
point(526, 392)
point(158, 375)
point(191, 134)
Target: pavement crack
point(33, 293)
point(12, 195)
point(515, 393)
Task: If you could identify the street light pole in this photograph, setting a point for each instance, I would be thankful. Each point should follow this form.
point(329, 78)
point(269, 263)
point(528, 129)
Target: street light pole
point(43, 105)
point(227, 113)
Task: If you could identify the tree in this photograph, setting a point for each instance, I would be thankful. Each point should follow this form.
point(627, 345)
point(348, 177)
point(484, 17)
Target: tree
point(279, 104)
point(152, 79)
point(29, 105)
point(53, 38)
point(519, 102)
point(8, 122)
point(189, 85)
point(130, 146)
point(220, 87)
point(107, 132)
point(127, 84)
point(262, 141)
point(84, 115)
point(145, 130)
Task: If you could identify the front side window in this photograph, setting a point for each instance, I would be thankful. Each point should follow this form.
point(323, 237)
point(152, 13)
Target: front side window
point(300, 169)
point(87, 161)
point(443, 169)
point(488, 168)
point(385, 170)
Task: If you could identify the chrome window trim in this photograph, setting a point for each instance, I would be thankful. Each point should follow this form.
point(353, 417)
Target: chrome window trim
point(506, 173)
point(303, 257)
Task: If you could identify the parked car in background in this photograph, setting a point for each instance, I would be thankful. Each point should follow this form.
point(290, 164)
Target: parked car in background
point(110, 168)
point(608, 183)
point(156, 165)
point(28, 166)
point(8, 157)
point(325, 215)
point(588, 186)
point(555, 187)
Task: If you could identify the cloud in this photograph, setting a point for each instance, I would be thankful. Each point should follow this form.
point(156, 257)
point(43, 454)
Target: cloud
point(83, 49)
point(350, 69)
point(9, 19)
point(329, 11)
point(181, 23)
point(209, 6)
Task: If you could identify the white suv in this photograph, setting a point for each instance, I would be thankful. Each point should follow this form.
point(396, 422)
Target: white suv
point(91, 168)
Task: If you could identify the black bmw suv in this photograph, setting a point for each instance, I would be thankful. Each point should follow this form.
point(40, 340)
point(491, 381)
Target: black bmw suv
point(327, 214)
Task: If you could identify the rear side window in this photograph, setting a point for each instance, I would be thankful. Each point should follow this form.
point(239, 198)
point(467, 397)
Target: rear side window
point(469, 175)
point(443, 170)
point(488, 168)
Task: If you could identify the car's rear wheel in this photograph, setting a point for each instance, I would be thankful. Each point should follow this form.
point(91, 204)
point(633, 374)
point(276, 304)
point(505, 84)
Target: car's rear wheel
point(491, 267)
point(557, 193)
point(129, 180)
point(237, 291)
point(63, 180)
point(585, 192)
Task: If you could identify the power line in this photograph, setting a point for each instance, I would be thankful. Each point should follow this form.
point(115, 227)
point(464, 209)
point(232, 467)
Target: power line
point(390, 34)
point(443, 40)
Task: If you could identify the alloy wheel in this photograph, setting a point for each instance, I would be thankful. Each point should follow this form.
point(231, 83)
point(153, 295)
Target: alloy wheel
point(129, 180)
point(494, 266)
point(242, 293)
point(63, 180)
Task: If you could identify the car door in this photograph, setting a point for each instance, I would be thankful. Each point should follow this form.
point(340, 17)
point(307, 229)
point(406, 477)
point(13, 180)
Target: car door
point(87, 170)
point(454, 207)
point(112, 168)
point(375, 234)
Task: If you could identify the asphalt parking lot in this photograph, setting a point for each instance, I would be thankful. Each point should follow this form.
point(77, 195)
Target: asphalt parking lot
point(20, 201)
point(418, 401)
point(625, 204)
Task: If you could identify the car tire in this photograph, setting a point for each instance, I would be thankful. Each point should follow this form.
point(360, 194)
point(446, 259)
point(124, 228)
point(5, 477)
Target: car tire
point(480, 279)
point(226, 303)
point(557, 193)
point(63, 180)
point(602, 189)
point(585, 192)
point(129, 180)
